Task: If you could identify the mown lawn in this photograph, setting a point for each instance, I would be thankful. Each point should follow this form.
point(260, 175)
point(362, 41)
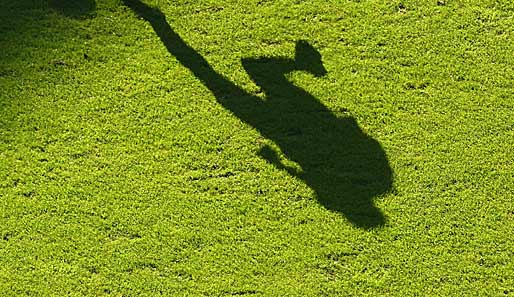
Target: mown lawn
point(257, 148)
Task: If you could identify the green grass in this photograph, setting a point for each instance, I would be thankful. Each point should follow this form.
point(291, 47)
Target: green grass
point(132, 164)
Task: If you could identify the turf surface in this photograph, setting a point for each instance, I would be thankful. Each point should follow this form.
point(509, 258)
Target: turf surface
point(285, 147)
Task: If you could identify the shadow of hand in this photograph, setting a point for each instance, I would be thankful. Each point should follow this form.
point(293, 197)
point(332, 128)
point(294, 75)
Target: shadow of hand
point(271, 156)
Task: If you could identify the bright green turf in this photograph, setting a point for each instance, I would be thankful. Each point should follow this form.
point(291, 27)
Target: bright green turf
point(121, 174)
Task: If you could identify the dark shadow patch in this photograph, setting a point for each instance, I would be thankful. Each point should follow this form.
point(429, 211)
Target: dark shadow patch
point(74, 8)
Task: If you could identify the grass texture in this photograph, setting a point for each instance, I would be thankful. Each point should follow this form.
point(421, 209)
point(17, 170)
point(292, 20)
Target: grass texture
point(256, 148)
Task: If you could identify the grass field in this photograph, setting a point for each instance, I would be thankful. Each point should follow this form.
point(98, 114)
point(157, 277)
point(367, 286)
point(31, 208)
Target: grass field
point(257, 148)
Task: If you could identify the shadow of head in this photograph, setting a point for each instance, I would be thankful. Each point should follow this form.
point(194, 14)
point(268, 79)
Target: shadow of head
point(74, 8)
point(307, 58)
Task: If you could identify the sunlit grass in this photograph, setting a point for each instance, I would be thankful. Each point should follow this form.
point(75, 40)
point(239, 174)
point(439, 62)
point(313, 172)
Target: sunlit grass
point(121, 174)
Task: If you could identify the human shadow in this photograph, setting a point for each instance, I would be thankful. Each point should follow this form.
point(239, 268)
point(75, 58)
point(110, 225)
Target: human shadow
point(345, 167)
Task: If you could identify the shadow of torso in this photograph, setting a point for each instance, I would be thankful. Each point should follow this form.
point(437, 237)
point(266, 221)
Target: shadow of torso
point(345, 167)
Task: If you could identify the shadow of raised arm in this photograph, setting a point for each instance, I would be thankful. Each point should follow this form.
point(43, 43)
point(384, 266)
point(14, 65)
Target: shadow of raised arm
point(220, 86)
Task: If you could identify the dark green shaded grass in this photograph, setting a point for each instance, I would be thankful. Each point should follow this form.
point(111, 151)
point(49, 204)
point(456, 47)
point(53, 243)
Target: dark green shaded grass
point(120, 173)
